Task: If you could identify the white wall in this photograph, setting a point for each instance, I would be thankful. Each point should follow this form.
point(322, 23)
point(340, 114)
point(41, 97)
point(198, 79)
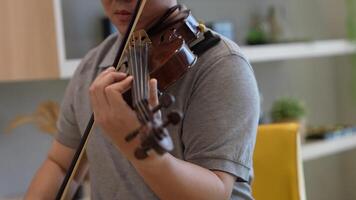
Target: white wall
point(332, 177)
point(312, 81)
point(346, 75)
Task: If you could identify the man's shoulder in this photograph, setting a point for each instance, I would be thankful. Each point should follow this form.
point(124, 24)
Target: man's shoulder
point(225, 47)
point(226, 51)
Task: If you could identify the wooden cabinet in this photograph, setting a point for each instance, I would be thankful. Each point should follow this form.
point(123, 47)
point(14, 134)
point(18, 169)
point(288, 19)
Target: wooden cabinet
point(46, 39)
point(28, 48)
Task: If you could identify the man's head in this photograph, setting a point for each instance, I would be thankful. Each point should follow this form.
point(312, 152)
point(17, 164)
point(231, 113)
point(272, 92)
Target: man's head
point(120, 12)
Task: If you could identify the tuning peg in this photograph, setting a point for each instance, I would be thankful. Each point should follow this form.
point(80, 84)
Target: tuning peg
point(173, 118)
point(165, 101)
point(158, 140)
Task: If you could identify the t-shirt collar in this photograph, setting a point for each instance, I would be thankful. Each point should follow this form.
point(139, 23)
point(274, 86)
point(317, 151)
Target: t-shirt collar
point(109, 58)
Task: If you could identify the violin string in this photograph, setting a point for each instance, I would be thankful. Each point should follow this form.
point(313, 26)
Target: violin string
point(140, 68)
point(146, 67)
point(136, 87)
point(134, 97)
point(135, 74)
point(131, 69)
point(145, 72)
point(144, 82)
point(140, 79)
point(143, 69)
point(138, 52)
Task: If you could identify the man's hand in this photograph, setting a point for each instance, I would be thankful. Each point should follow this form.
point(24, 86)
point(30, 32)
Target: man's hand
point(167, 176)
point(111, 112)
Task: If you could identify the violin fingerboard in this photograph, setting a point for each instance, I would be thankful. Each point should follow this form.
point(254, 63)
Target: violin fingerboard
point(138, 68)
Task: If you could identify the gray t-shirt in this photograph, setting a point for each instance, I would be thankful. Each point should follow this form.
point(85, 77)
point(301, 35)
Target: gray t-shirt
point(220, 102)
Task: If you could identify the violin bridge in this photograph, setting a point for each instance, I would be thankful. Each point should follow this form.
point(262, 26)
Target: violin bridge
point(140, 37)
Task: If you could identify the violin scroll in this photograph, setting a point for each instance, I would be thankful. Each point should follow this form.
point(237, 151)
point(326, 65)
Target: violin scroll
point(158, 138)
point(154, 134)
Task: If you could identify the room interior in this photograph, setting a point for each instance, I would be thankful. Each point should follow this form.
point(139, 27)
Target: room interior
point(300, 50)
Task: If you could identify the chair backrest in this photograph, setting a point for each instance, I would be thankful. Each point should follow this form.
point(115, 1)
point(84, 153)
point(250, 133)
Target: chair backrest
point(277, 163)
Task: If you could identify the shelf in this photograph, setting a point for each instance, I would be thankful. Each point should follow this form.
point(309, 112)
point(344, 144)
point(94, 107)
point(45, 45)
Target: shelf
point(313, 49)
point(315, 150)
point(263, 53)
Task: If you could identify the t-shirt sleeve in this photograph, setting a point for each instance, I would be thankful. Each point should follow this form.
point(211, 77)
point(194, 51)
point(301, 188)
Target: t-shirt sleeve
point(220, 123)
point(68, 128)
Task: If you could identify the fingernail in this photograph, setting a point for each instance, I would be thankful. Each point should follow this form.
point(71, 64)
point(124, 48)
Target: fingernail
point(154, 82)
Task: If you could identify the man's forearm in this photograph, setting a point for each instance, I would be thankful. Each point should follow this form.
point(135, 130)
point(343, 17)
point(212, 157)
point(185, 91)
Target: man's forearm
point(171, 178)
point(46, 182)
point(48, 179)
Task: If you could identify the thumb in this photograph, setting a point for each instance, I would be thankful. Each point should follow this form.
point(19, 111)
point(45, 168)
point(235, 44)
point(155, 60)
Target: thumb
point(153, 92)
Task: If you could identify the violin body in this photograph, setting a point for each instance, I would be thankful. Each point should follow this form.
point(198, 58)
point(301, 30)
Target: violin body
point(170, 59)
point(170, 56)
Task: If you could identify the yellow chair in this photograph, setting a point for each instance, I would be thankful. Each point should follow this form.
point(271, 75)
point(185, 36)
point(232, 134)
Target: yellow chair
point(277, 163)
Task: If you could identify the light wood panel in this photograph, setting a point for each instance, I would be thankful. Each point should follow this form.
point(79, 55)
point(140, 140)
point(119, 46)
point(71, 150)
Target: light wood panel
point(28, 49)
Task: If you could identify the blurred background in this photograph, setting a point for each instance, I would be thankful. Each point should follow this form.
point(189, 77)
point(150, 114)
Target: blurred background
point(302, 52)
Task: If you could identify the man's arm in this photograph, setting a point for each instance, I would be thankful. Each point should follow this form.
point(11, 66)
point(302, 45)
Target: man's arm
point(49, 177)
point(171, 178)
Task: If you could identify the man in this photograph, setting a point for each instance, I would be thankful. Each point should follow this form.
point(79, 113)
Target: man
point(214, 142)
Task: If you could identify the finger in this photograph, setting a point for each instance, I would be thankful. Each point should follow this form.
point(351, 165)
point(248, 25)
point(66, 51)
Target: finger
point(153, 93)
point(107, 79)
point(123, 85)
point(106, 71)
point(97, 93)
point(111, 77)
point(114, 92)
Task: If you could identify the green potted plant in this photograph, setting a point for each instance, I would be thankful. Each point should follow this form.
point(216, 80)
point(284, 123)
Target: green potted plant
point(288, 109)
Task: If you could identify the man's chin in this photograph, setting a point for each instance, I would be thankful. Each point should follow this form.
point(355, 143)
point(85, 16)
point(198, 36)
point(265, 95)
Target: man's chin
point(122, 27)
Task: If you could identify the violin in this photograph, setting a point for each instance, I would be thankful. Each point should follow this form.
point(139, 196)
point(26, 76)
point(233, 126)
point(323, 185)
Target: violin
point(164, 53)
